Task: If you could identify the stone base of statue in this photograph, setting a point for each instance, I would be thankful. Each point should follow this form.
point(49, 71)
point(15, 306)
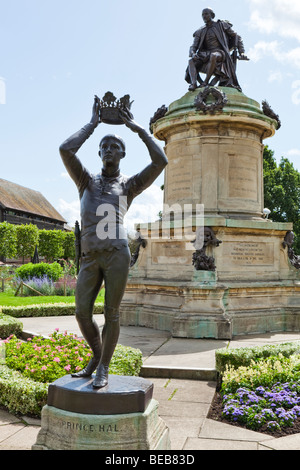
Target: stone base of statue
point(121, 416)
point(242, 281)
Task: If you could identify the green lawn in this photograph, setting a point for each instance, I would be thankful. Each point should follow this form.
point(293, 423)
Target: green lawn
point(8, 299)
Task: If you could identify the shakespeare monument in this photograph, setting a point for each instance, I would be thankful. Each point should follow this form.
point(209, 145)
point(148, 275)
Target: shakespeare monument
point(242, 276)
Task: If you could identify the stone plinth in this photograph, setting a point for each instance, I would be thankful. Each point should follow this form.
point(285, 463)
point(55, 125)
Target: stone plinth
point(121, 416)
point(217, 161)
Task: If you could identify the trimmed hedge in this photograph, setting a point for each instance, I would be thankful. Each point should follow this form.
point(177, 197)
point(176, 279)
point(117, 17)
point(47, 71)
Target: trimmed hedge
point(243, 356)
point(9, 326)
point(45, 310)
point(21, 395)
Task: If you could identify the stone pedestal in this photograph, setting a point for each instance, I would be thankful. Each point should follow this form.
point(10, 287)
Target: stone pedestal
point(217, 161)
point(121, 416)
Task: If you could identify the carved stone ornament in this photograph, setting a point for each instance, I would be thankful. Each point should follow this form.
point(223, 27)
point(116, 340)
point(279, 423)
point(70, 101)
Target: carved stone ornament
point(288, 242)
point(268, 111)
point(140, 242)
point(160, 113)
point(201, 261)
point(217, 105)
point(110, 107)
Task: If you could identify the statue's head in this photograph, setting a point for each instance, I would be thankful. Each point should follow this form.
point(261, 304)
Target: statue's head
point(111, 150)
point(208, 15)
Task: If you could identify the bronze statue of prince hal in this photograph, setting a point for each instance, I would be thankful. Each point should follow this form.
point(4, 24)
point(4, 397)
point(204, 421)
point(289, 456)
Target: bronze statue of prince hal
point(105, 256)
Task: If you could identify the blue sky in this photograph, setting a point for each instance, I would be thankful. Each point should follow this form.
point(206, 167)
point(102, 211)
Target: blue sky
point(54, 56)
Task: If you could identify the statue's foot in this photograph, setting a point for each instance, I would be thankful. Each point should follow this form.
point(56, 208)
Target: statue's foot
point(193, 87)
point(88, 370)
point(101, 379)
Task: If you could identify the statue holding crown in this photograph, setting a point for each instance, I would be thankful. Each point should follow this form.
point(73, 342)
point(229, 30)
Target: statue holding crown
point(104, 201)
point(211, 54)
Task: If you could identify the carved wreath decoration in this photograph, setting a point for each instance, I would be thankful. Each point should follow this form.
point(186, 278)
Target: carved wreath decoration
point(217, 105)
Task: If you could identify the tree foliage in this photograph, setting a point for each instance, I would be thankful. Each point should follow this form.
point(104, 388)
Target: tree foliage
point(51, 244)
point(282, 192)
point(8, 240)
point(69, 245)
point(27, 239)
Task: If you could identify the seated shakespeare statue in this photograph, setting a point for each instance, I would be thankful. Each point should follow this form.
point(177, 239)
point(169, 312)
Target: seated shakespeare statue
point(105, 256)
point(210, 54)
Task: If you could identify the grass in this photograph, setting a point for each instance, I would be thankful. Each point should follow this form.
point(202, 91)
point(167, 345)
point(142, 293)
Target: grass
point(8, 299)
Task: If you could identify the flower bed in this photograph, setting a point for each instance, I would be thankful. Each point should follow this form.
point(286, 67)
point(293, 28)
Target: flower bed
point(264, 396)
point(41, 361)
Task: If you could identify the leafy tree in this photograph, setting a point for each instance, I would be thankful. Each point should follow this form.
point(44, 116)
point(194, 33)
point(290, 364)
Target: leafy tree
point(8, 240)
point(69, 245)
point(51, 244)
point(27, 239)
point(282, 192)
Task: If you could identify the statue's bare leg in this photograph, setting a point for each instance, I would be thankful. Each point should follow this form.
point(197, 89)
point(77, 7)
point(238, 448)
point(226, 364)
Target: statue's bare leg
point(88, 285)
point(115, 278)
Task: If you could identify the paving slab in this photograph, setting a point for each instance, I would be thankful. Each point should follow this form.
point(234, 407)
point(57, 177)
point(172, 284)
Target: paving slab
point(8, 418)
point(22, 438)
point(9, 430)
point(191, 353)
point(212, 429)
point(262, 339)
point(214, 444)
point(282, 443)
point(181, 429)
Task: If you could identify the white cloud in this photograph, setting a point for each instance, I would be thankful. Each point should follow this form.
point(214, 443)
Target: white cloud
point(294, 152)
point(275, 77)
point(275, 50)
point(70, 211)
point(277, 16)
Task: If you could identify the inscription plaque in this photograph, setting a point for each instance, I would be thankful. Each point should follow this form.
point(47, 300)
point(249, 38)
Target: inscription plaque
point(249, 254)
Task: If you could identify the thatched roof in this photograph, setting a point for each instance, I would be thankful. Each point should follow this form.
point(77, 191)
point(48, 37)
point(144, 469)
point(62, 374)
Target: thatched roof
point(18, 198)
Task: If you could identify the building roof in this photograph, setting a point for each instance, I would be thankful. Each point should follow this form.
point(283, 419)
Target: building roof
point(18, 198)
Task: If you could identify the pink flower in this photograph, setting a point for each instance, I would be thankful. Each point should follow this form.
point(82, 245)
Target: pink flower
point(44, 368)
point(56, 359)
point(67, 368)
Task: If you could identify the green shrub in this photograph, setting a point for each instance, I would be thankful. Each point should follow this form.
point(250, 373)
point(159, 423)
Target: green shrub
point(9, 326)
point(126, 361)
point(244, 356)
point(21, 395)
point(45, 310)
point(53, 271)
